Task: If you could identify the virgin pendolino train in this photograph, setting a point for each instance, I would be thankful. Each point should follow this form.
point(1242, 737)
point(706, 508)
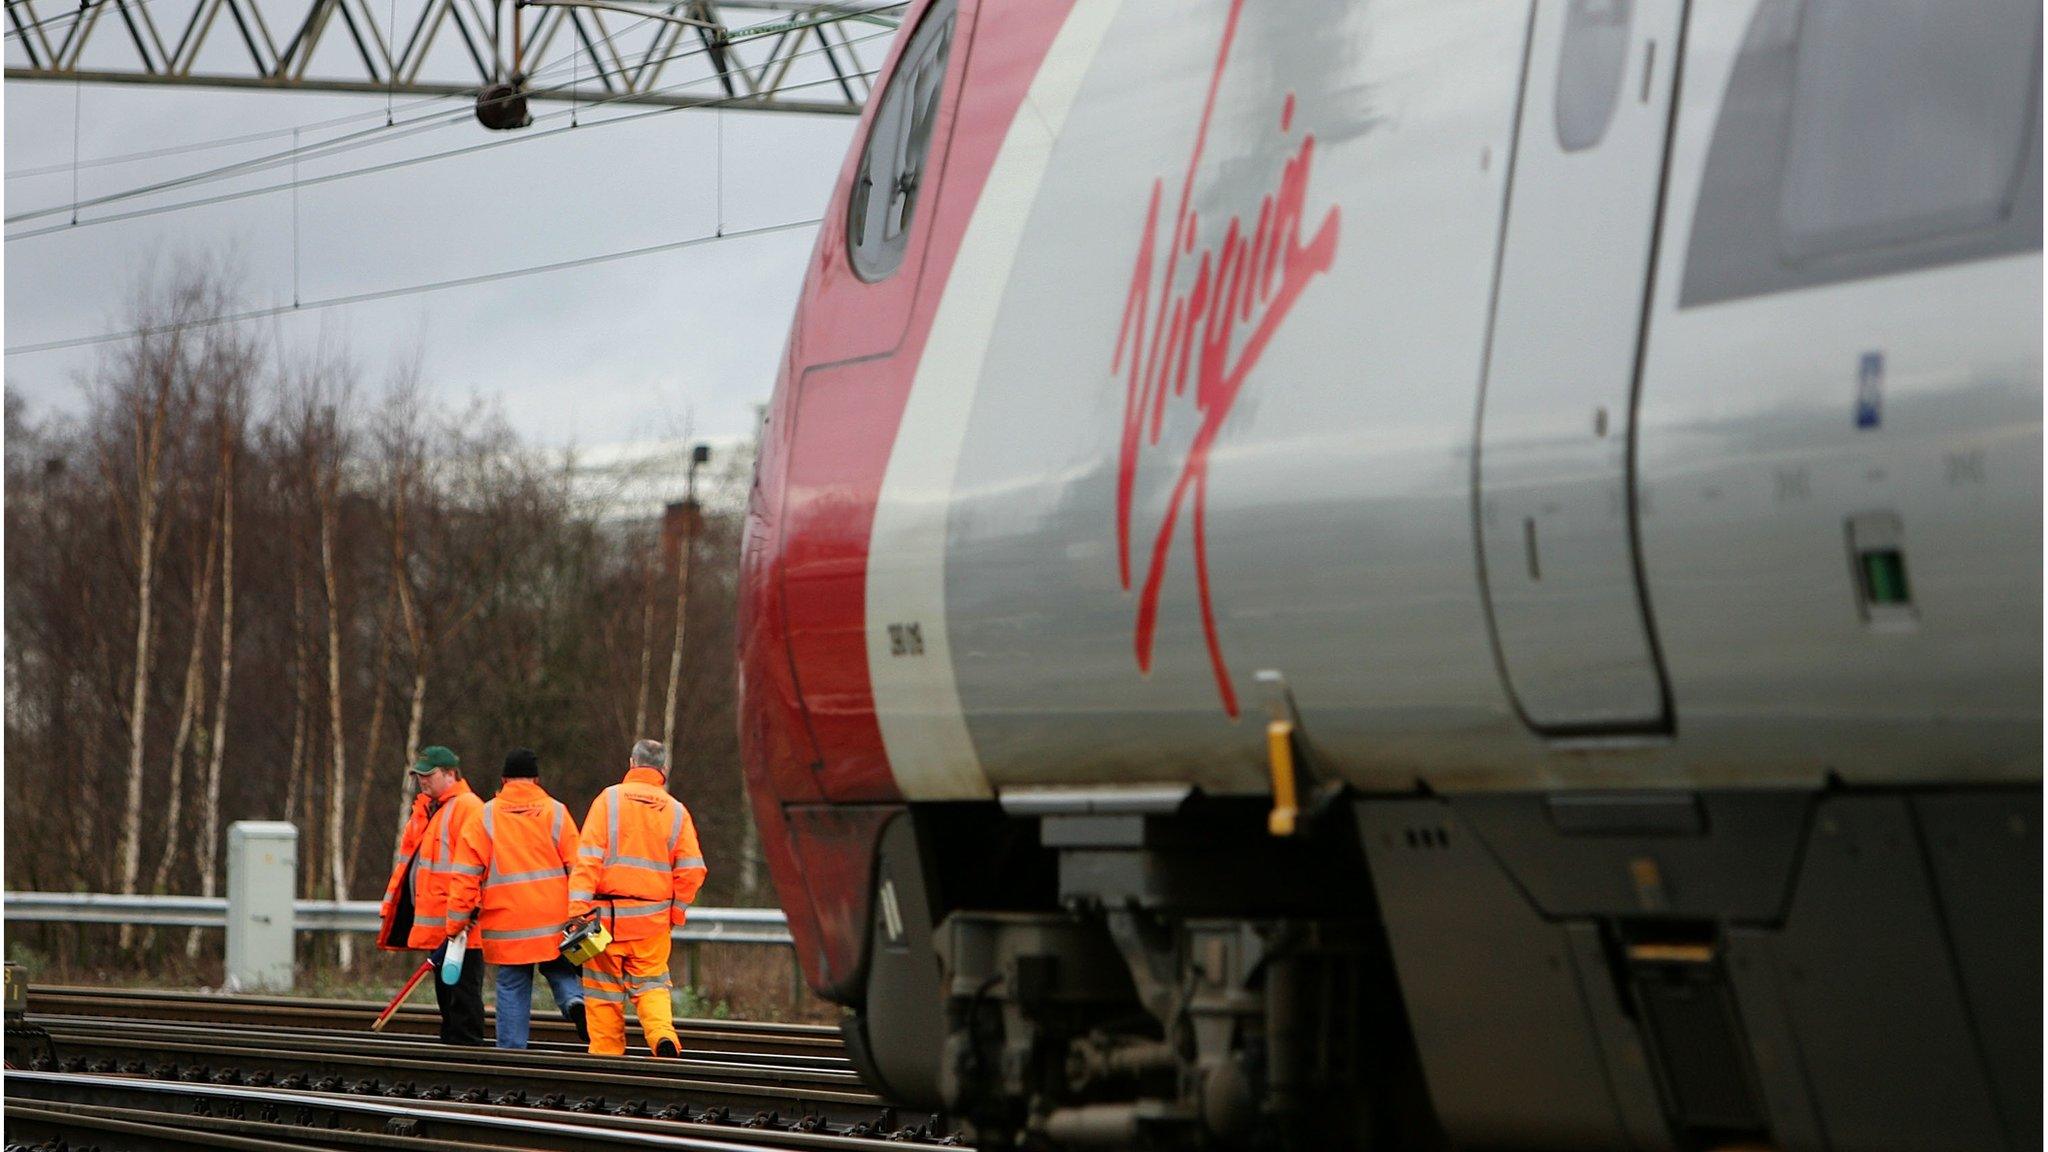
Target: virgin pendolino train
point(1422, 571)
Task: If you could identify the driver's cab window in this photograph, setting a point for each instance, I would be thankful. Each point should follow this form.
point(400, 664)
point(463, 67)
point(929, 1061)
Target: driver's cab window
point(883, 205)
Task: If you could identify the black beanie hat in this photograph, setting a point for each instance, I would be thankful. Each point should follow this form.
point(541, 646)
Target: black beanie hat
point(521, 762)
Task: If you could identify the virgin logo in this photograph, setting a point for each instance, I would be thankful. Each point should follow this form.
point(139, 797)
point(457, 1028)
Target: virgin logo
point(1210, 323)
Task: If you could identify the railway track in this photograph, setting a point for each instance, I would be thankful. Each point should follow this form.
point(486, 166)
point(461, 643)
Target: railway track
point(414, 1020)
point(215, 1071)
point(715, 1090)
point(120, 1113)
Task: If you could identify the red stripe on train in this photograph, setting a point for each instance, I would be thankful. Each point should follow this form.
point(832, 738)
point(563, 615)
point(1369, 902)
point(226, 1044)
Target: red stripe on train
point(854, 349)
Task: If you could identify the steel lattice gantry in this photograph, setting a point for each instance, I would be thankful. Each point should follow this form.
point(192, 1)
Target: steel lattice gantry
point(751, 54)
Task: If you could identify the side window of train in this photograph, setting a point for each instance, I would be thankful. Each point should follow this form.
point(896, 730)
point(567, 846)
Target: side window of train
point(1866, 137)
point(1591, 61)
point(885, 191)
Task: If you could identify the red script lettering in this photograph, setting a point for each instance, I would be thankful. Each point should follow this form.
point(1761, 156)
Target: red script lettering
point(1250, 276)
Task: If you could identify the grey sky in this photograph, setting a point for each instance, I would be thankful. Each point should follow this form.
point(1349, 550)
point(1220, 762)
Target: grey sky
point(623, 351)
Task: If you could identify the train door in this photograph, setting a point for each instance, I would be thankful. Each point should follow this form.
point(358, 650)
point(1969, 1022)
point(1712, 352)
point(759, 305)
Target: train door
point(1555, 515)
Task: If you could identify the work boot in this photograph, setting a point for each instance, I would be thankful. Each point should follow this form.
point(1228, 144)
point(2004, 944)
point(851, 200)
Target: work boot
point(574, 1013)
point(667, 1048)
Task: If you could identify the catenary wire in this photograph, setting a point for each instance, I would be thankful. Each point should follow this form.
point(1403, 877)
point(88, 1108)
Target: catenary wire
point(315, 125)
point(416, 289)
point(247, 138)
point(502, 274)
point(381, 134)
point(194, 146)
point(374, 135)
point(387, 166)
point(409, 161)
point(570, 57)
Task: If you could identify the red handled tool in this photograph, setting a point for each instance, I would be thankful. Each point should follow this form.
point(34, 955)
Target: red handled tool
point(391, 1009)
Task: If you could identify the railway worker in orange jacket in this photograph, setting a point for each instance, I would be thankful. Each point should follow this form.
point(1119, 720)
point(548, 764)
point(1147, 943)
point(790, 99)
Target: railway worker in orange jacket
point(415, 910)
point(638, 867)
point(513, 879)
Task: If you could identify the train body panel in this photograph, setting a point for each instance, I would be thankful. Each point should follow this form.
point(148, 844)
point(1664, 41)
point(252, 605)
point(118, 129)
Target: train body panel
point(1051, 600)
point(1894, 380)
point(1617, 425)
point(1305, 529)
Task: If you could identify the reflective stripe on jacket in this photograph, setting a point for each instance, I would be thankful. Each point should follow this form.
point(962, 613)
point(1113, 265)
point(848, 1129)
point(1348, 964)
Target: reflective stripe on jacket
point(638, 862)
point(515, 861)
point(430, 837)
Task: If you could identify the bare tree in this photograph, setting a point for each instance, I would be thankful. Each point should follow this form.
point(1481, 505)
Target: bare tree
point(404, 451)
point(443, 582)
point(230, 416)
point(296, 433)
point(328, 483)
point(140, 395)
point(441, 592)
point(191, 699)
point(373, 744)
point(320, 391)
point(295, 777)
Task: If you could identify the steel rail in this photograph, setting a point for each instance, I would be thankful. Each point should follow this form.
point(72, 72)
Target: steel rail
point(834, 1070)
point(355, 1016)
point(54, 1123)
point(781, 1074)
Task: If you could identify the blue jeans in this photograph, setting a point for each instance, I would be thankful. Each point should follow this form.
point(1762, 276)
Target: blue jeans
point(515, 996)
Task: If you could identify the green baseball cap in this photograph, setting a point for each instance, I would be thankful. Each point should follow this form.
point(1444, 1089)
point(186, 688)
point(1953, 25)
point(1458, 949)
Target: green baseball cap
point(435, 756)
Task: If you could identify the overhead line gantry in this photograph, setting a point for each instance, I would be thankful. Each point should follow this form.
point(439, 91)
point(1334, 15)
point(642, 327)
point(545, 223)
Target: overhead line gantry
point(624, 51)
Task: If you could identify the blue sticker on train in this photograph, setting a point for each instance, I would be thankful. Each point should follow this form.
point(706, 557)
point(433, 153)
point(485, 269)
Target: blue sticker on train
point(1870, 390)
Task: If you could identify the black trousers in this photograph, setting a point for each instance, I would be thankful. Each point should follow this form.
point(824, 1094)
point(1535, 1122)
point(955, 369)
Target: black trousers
point(462, 1003)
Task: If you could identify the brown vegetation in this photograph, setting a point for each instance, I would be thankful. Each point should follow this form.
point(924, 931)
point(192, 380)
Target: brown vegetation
point(245, 589)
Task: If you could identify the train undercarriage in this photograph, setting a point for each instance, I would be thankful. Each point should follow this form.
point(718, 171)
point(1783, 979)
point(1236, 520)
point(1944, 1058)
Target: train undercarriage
point(1151, 968)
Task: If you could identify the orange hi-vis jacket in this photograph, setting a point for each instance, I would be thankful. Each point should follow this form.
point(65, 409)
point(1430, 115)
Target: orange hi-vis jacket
point(428, 846)
point(638, 863)
point(515, 861)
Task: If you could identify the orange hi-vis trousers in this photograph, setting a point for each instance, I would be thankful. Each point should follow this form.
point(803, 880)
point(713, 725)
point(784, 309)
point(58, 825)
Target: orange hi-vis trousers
point(635, 970)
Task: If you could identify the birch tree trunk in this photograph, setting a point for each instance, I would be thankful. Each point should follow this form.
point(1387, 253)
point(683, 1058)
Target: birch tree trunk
point(750, 844)
point(294, 798)
point(337, 772)
point(189, 706)
point(209, 841)
point(416, 639)
point(148, 459)
point(412, 752)
point(131, 808)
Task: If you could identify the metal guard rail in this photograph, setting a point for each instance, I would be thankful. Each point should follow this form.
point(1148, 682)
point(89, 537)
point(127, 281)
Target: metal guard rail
point(705, 925)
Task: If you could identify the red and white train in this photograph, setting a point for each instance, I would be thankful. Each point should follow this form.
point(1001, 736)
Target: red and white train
point(1421, 572)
